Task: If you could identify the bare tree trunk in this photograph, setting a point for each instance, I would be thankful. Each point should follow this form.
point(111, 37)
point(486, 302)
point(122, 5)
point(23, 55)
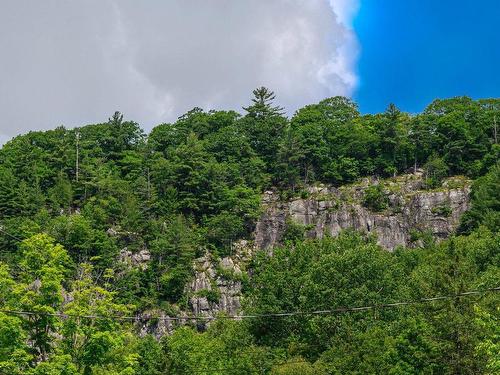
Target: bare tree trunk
point(149, 186)
point(495, 128)
point(77, 154)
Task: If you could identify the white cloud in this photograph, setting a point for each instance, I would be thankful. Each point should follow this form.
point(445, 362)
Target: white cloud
point(345, 10)
point(76, 62)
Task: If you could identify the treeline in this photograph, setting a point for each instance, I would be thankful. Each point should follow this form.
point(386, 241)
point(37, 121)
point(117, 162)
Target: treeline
point(210, 167)
point(71, 200)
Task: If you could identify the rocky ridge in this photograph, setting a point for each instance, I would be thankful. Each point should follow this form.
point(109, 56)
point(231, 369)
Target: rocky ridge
point(321, 210)
point(326, 210)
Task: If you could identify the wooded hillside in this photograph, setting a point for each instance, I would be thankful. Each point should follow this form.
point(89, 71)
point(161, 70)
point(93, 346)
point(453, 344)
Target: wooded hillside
point(71, 200)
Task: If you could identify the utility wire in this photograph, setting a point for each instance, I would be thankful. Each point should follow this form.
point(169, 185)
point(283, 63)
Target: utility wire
point(238, 317)
point(363, 308)
point(339, 310)
point(250, 316)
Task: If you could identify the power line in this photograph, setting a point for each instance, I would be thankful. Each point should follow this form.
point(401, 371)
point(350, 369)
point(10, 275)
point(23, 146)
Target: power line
point(238, 317)
point(339, 310)
point(248, 316)
point(363, 308)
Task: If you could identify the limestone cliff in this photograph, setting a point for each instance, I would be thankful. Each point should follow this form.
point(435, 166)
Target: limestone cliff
point(217, 285)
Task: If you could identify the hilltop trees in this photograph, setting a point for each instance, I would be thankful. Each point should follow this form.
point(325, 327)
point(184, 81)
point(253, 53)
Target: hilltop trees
point(264, 126)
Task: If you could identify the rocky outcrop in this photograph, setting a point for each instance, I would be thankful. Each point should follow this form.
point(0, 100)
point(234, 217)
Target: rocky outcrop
point(321, 210)
point(134, 260)
point(328, 210)
point(156, 323)
point(216, 286)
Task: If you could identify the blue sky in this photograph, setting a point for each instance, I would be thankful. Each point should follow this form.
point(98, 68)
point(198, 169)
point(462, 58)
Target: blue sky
point(413, 51)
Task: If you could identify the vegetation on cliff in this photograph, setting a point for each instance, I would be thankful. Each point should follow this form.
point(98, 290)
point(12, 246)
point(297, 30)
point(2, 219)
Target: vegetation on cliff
point(72, 200)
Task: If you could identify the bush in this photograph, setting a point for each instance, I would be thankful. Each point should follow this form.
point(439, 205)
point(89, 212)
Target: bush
point(223, 229)
point(435, 171)
point(293, 231)
point(212, 295)
point(443, 210)
point(375, 198)
point(172, 283)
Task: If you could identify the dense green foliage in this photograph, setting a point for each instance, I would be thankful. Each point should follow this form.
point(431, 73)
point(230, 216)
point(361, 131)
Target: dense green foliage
point(72, 202)
point(437, 338)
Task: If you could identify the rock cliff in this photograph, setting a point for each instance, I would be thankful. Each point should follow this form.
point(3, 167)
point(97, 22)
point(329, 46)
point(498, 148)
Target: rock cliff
point(326, 210)
point(217, 285)
point(410, 212)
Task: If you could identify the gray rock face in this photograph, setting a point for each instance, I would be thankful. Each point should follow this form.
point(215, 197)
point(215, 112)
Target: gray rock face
point(271, 226)
point(217, 284)
point(131, 259)
point(328, 210)
point(160, 326)
point(222, 283)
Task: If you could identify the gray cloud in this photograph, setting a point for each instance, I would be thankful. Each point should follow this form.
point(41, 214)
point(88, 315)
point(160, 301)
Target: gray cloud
point(76, 62)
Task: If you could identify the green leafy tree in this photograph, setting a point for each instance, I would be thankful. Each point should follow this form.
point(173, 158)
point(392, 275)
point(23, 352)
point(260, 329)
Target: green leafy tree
point(489, 345)
point(485, 199)
point(295, 367)
point(82, 241)
point(188, 351)
point(10, 204)
point(319, 275)
point(151, 357)
point(393, 143)
point(15, 356)
point(317, 130)
point(43, 268)
point(103, 342)
point(451, 268)
point(59, 364)
point(435, 171)
point(173, 251)
point(262, 106)
point(61, 194)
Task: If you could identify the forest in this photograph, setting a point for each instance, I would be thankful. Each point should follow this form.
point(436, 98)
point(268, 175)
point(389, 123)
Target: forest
point(72, 199)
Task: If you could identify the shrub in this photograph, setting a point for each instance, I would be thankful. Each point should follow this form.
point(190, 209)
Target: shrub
point(375, 198)
point(435, 171)
point(293, 231)
point(212, 295)
point(443, 210)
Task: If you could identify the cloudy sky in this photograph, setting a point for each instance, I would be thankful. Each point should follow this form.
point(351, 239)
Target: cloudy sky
point(70, 63)
point(74, 62)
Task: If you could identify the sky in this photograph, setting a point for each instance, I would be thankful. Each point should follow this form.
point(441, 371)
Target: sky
point(75, 62)
point(415, 51)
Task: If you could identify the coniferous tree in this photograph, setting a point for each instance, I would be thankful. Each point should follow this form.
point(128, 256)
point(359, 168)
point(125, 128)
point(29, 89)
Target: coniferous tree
point(262, 106)
point(264, 125)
